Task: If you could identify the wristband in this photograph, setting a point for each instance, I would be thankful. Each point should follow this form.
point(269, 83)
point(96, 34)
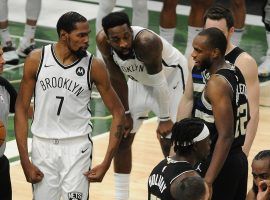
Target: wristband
point(164, 119)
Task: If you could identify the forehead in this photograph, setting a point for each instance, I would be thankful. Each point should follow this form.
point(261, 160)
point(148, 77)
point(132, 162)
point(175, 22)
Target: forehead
point(261, 165)
point(81, 27)
point(118, 31)
point(199, 41)
point(220, 24)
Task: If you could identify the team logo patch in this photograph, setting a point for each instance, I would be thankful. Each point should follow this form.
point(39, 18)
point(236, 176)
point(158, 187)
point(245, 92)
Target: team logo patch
point(75, 196)
point(80, 71)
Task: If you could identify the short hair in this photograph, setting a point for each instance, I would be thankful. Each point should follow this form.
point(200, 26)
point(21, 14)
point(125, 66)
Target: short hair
point(114, 19)
point(67, 21)
point(185, 131)
point(218, 12)
point(262, 155)
point(215, 39)
point(189, 188)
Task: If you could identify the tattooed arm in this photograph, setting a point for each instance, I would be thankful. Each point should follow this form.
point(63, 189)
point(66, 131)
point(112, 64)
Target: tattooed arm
point(100, 77)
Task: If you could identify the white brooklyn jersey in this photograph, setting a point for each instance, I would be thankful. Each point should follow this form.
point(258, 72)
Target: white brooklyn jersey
point(136, 70)
point(62, 97)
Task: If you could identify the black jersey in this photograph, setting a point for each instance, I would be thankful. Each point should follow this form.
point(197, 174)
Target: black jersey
point(204, 111)
point(200, 76)
point(162, 176)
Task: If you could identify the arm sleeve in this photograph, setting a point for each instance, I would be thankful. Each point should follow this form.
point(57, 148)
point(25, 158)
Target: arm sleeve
point(12, 92)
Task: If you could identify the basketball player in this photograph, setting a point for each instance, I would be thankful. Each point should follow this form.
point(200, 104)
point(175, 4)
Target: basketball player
point(221, 17)
point(190, 138)
point(224, 106)
point(261, 172)
point(195, 22)
point(157, 76)
point(61, 76)
point(7, 105)
point(27, 43)
point(192, 187)
point(139, 13)
point(264, 68)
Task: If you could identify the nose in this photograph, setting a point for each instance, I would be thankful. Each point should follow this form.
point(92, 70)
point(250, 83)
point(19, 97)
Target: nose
point(123, 43)
point(86, 39)
point(193, 54)
point(257, 180)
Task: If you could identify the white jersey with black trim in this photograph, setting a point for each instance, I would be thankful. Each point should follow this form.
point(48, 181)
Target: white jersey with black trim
point(135, 69)
point(62, 97)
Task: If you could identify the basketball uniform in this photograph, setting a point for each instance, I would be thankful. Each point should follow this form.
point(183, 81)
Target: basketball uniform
point(199, 76)
point(141, 98)
point(162, 176)
point(231, 182)
point(8, 97)
point(61, 127)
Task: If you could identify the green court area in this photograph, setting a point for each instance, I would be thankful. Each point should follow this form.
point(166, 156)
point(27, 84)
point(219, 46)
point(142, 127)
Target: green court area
point(253, 41)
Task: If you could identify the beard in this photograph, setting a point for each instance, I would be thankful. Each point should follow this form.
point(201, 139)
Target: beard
point(80, 53)
point(205, 64)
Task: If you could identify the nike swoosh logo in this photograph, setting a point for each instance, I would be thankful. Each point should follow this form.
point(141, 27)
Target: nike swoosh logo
point(174, 87)
point(85, 150)
point(48, 65)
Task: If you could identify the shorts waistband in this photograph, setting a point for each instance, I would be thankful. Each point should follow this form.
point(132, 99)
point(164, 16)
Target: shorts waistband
point(64, 140)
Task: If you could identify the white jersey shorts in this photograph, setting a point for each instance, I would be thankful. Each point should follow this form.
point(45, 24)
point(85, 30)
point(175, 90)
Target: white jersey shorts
point(142, 101)
point(63, 162)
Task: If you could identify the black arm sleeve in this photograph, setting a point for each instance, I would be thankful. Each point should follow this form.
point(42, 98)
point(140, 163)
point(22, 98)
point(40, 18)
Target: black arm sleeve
point(12, 92)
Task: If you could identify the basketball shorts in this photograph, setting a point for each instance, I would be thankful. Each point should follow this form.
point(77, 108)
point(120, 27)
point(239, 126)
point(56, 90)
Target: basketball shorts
point(142, 101)
point(231, 182)
point(5, 183)
point(63, 162)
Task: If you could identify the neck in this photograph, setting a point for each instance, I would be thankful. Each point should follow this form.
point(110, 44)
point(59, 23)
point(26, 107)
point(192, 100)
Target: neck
point(230, 47)
point(218, 64)
point(63, 54)
point(189, 158)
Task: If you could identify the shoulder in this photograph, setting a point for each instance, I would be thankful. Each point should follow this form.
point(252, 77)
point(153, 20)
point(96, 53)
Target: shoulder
point(35, 56)
point(245, 61)
point(247, 65)
point(102, 43)
point(147, 45)
point(98, 69)
point(147, 38)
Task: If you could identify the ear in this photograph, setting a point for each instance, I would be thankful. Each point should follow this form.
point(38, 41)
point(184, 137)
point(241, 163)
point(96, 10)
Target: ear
point(195, 147)
point(215, 53)
point(63, 35)
point(230, 33)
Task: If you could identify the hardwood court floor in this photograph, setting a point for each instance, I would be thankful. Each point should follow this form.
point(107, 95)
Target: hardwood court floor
point(146, 154)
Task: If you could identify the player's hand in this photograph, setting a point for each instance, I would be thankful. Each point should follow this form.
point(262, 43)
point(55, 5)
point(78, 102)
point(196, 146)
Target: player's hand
point(97, 173)
point(264, 190)
point(32, 173)
point(164, 128)
point(128, 125)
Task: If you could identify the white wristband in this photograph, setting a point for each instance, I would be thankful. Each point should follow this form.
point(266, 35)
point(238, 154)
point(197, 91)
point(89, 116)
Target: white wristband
point(164, 119)
point(127, 112)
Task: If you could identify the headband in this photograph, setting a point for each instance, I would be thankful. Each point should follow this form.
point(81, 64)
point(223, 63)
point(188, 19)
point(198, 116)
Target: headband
point(205, 132)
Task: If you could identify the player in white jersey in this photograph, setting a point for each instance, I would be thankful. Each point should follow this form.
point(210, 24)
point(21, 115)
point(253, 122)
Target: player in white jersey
point(61, 76)
point(157, 75)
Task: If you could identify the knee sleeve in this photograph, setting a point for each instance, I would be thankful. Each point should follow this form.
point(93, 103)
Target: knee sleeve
point(105, 7)
point(266, 16)
point(32, 9)
point(140, 13)
point(3, 10)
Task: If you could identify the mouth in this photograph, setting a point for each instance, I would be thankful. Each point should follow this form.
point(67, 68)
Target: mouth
point(125, 51)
